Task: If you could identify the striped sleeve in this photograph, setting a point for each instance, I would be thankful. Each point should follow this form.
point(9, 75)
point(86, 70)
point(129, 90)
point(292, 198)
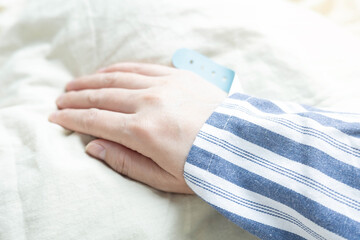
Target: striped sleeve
point(280, 170)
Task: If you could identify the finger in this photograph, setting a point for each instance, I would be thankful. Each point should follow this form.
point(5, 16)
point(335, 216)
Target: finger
point(140, 68)
point(109, 125)
point(112, 99)
point(134, 165)
point(126, 80)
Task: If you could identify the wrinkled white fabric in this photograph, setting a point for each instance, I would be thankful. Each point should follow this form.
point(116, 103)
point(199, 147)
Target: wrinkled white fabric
point(49, 187)
point(346, 13)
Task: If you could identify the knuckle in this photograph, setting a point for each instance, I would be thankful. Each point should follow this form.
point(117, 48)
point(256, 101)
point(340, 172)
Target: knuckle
point(121, 165)
point(109, 79)
point(140, 128)
point(151, 98)
point(90, 118)
point(94, 98)
point(137, 128)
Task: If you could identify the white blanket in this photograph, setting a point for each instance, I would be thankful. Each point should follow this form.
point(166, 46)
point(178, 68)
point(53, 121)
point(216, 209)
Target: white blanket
point(49, 187)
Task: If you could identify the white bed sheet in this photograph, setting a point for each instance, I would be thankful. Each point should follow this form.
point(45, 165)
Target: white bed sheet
point(50, 189)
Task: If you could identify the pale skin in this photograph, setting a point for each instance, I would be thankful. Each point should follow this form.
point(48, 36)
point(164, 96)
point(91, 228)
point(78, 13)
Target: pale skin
point(145, 116)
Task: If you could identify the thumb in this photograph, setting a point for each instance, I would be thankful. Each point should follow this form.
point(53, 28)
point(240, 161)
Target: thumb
point(131, 164)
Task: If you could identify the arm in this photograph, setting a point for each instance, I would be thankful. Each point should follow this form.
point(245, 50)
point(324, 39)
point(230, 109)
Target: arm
point(280, 170)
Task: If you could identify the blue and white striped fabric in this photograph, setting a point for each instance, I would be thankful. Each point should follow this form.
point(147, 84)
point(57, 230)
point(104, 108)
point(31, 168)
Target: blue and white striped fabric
point(280, 170)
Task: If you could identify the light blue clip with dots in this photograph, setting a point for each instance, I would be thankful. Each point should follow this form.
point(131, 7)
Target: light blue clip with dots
point(193, 61)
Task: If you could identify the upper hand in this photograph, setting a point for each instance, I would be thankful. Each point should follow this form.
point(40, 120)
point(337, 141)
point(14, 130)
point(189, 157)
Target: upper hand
point(146, 116)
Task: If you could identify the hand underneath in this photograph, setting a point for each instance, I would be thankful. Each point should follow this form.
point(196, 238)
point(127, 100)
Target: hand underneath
point(146, 118)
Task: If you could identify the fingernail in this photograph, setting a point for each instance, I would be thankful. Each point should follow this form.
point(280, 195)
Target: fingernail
point(52, 117)
point(60, 99)
point(96, 150)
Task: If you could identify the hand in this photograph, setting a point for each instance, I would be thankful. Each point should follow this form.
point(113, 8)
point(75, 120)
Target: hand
point(146, 116)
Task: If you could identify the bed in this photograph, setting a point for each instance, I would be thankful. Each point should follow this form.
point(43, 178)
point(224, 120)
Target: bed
point(51, 189)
